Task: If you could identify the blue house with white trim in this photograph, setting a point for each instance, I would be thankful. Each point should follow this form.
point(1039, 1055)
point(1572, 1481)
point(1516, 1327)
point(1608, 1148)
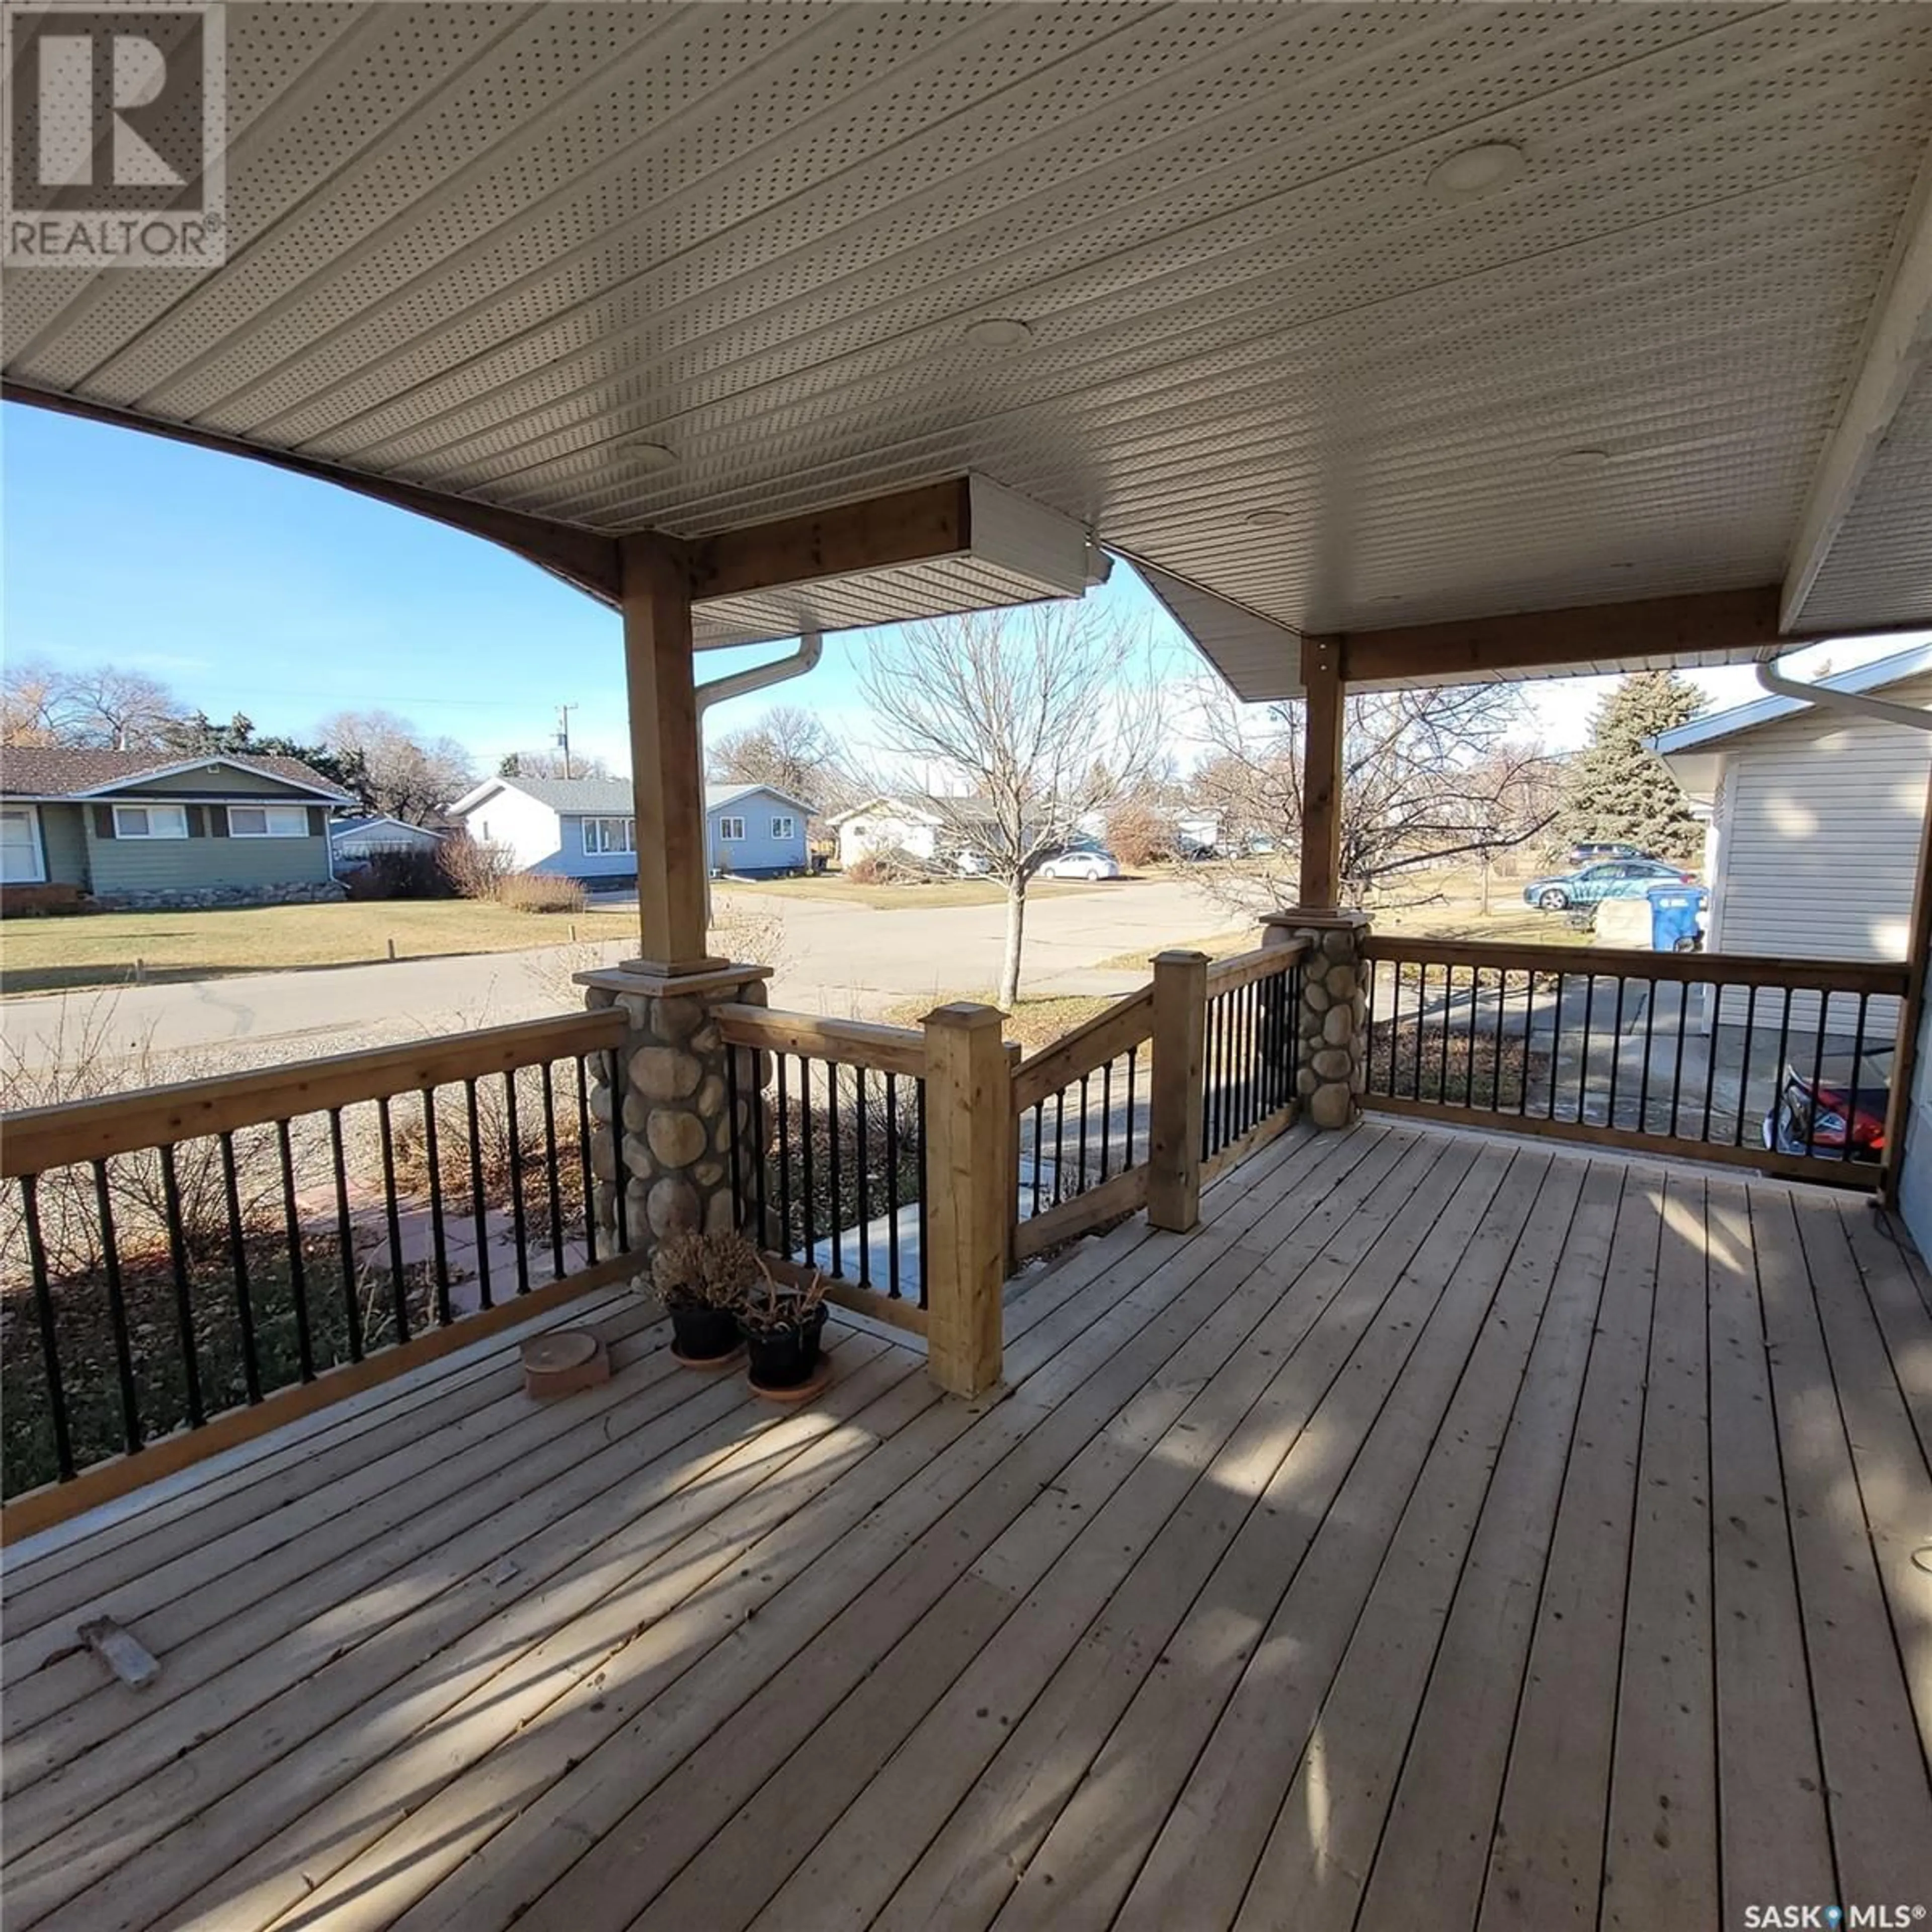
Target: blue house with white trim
point(586, 828)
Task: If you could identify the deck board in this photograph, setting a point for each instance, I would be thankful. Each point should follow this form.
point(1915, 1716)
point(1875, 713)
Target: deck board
point(1447, 1531)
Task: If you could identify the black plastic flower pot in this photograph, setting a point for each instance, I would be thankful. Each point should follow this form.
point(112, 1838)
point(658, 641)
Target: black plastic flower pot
point(703, 1334)
point(783, 1358)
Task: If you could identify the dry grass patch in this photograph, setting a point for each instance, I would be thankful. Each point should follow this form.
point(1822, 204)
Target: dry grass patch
point(1033, 1023)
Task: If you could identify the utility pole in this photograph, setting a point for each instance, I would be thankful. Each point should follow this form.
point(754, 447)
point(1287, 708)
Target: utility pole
point(563, 712)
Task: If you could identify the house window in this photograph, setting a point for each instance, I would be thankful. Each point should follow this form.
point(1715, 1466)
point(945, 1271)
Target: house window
point(151, 821)
point(785, 828)
point(609, 835)
point(731, 829)
point(267, 821)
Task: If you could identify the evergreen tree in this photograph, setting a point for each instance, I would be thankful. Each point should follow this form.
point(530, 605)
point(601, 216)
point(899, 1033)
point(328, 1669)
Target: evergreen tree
point(1616, 788)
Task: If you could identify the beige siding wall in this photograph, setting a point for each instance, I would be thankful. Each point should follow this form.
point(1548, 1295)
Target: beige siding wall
point(1819, 826)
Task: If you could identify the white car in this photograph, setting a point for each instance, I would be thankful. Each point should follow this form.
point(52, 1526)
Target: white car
point(1086, 862)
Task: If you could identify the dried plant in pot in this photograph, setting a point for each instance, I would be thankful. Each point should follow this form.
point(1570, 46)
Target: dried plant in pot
point(781, 1327)
point(703, 1280)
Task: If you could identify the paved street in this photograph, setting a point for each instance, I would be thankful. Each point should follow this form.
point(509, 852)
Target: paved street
point(836, 959)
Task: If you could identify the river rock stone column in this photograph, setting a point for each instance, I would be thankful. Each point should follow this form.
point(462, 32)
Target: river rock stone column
point(668, 1140)
point(1332, 1026)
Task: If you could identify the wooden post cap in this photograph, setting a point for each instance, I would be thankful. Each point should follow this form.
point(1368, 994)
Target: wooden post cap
point(564, 1361)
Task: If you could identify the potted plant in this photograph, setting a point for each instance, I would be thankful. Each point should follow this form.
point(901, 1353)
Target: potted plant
point(781, 1327)
point(702, 1279)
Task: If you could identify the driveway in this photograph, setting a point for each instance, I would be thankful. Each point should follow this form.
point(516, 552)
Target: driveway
point(835, 958)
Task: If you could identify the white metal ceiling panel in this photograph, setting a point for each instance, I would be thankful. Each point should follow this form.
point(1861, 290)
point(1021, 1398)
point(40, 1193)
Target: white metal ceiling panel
point(485, 248)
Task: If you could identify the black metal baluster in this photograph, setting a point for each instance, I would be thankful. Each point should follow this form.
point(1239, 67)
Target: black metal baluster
point(1038, 1152)
point(620, 1198)
point(479, 1206)
point(1085, 1104)
point(784, 1159)
point(1133, 1055)
point(1783, 1038)
point(1745, 1065)
point(117, 1310)
point(238, 1259)
point(838, 1205)
point(924, 1245)
point(1528, 1035)
point(761, 1136)
point(43, 1310)
point(1290, 1022)
point(513, 1126)
point(392, 1209)
point(1421, 1021)
point(298, 1277)
point(1469, 1039)
point(1817, 1072)
point(892, 1184)
point(1448, 1021)
point(553, 1163)
point(1589, 1026)
point(345, 1238)
point(1857, 1067)
point(620, 1174)
point(865, 1159)
point(806, 1137)
point(1683, 992)
point(171, 1209)
point(1616, 1048)
point(1106, 1115)
point(1060, 1148)
point(1369, 1049)
point(438, 1245)
point(1710, 1057)
point(1252, 1055)
point(1649, 1038)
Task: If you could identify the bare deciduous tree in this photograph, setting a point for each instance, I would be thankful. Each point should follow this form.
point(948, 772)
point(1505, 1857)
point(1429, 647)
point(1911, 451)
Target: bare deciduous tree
point(1427, 776)
point(546, 764)
point(103, 707)
point(790, 749)
point(406, 777)
point(1029, 721)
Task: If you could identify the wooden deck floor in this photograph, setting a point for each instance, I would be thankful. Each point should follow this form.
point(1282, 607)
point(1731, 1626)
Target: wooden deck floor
point(1446, 1534)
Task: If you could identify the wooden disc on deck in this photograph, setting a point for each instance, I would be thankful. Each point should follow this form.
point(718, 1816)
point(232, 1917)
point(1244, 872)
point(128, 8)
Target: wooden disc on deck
point(564, 1361)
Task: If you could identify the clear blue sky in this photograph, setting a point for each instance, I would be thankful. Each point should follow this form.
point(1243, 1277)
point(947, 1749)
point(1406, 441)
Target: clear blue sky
point(245, 589)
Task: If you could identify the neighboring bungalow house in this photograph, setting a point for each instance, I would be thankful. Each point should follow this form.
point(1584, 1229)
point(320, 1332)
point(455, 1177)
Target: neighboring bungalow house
point(139, 829)
point(1812, 844)
point(353, 840)
point(586, 828)
point(882, 825)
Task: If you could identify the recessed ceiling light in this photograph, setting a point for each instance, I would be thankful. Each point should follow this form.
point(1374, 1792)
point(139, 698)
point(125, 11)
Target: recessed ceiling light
point(1476, 171)
point(1269, 519)
point(998, 331)
point(1579, 459)
point(646, 454)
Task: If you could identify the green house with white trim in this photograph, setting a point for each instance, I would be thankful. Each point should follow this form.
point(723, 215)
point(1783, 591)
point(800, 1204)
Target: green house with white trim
point(130, 829)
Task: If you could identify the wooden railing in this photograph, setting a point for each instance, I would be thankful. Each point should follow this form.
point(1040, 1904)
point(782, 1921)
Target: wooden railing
point(1251, 1052)
point(1082, 1111)
point(188, 1266)
point(1779, 1065)
point(830, 1162)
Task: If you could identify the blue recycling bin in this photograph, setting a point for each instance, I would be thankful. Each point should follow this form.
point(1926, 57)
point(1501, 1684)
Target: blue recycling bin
point(1675, 917)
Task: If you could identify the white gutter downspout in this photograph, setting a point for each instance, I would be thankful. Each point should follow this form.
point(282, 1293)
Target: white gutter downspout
point(1774, 681)
point(737, 684)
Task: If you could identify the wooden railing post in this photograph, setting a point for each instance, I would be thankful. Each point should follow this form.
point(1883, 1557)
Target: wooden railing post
point(969, 1105)
point(1173, 1133)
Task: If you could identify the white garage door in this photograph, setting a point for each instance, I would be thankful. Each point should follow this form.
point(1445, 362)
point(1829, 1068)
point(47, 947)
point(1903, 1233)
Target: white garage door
point(19, 846)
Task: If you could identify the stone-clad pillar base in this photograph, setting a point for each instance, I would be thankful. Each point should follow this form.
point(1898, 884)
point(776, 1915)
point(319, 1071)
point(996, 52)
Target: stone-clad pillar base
point(1332, 1027)
point(673, 1142)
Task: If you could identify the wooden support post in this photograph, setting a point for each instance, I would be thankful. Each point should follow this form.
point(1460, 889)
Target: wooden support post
point(1178, 1096)
point(1911, 1019)
point(666, 762)
point(1321, 774)
point(969, 1105)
